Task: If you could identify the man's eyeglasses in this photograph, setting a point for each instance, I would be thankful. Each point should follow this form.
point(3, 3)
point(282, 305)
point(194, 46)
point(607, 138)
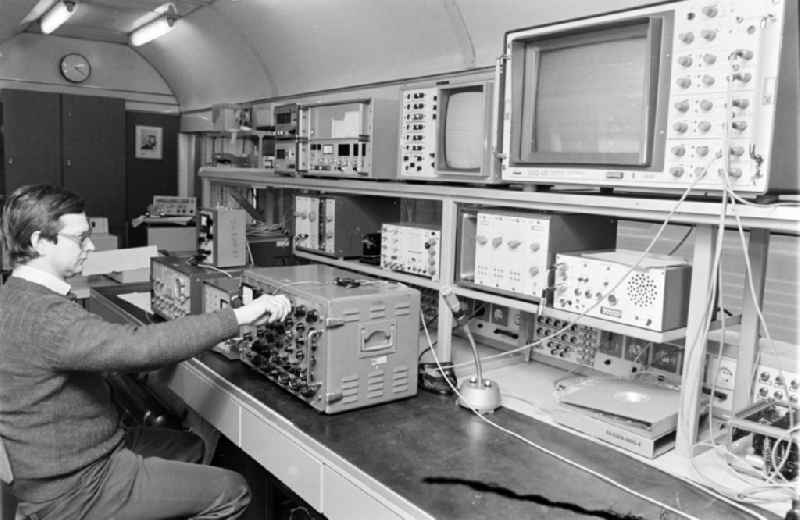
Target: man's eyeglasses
point(83, 240)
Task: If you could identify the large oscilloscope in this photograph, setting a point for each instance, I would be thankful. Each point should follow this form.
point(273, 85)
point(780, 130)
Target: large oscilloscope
point(691, 93)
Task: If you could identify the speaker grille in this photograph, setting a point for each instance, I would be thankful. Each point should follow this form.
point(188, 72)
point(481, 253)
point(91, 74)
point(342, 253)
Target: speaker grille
point(641, 289)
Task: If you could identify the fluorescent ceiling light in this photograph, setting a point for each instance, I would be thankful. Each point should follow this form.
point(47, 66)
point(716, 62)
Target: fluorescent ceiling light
point(152, 30)
point(57, 15)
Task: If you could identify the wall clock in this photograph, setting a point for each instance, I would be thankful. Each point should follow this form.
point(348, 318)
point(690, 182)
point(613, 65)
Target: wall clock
point(75, 67)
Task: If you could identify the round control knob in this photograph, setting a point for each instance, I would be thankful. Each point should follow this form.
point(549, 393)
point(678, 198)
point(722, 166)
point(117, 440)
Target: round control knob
point(535, 247)
point(533, 271)
point(686, 37)
point(680, 127)
point(710, 11)
point(701, 151)
point(704, 126)
point(700, 172)
point(682, 106)
point(739, 125)
point(612, 299)
point(679, 150)
point(684, 82)
point(676, 171)
point(709, 58)
point(706, 105)
point(708, 34)
point(744, 77)
point(737, 150)
point(735, 173)
point(745, 54)
point(496, 241)
point(685, 61)
point(741, 103)
point(513, 244)
point(708, 80)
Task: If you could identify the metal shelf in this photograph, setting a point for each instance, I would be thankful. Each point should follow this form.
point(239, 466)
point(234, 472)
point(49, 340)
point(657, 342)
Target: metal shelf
point(530, 307)
point(619, 328)
point(474, 294)
point(778, 219)
point(260, 134)
point(370, 270)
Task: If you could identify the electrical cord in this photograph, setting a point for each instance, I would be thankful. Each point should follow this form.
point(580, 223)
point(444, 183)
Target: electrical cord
point(578, 318)
point(555, 455)
point(216, 269)
point(743, 495)
point(770, 342)
point(681, 241)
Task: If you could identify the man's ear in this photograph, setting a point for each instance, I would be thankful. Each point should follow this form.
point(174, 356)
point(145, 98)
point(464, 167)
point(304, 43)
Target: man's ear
point(37, 241)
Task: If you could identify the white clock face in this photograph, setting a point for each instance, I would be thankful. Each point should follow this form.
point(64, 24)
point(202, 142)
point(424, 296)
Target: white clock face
point(75, 68)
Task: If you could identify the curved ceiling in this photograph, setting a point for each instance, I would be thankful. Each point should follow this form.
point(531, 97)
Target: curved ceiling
point(240, 50)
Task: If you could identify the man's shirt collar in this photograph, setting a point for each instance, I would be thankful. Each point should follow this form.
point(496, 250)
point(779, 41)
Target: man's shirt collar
point(40, 277)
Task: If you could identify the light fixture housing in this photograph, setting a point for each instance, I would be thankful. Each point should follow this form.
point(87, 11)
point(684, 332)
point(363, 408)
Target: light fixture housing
point(152, 30)
point(57, 15)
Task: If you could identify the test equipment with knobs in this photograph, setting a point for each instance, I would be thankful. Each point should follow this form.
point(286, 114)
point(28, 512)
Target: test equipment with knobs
point(609, 284)
point(349, 342)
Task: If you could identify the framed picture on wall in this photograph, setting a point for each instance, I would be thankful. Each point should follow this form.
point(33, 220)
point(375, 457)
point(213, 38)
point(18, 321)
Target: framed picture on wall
point(149, 142)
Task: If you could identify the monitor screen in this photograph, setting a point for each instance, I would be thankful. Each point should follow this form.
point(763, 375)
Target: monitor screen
point(463, 129)
point(587, 98)
point(606, 118)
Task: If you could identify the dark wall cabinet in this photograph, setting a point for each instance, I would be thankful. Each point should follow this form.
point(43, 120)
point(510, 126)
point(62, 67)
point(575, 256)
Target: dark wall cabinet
point(73, 141)
point(31, 129)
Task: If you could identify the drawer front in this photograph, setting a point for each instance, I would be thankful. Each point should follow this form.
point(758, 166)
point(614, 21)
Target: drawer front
point(282, 457)
point(342, 500)
point(209, 401)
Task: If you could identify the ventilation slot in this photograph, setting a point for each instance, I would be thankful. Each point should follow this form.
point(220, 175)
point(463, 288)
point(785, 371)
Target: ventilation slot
point(350, 389)
point(375, 385)
point(400, 380)
point(351, 315)
point(402, 309)
point(377, 312)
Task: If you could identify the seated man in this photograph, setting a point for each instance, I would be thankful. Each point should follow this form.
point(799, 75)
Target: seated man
point(70, 456)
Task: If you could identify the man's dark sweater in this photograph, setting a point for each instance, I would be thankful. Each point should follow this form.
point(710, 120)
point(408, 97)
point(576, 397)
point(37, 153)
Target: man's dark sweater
point(56, 415)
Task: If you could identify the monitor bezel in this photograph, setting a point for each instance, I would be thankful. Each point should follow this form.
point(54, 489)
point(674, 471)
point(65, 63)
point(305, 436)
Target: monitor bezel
point(524, 51)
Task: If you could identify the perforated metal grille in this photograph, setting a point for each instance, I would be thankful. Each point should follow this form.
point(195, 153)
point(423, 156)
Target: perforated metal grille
point(641, 289)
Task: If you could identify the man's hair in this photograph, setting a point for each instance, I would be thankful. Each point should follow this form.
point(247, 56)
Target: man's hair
point(35, 208)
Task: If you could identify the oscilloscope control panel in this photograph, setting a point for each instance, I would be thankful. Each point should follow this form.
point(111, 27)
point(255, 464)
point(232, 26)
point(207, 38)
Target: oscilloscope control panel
point(720, 75)
point(729, 105)
point(349, 341)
